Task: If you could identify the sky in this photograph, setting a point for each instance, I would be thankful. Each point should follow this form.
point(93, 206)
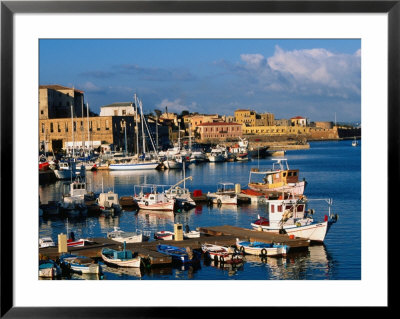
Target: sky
point(319, 79)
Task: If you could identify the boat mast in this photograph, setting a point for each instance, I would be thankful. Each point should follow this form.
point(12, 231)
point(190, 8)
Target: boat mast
point(142, 120)
point(72, 130)
point(136, 128)
point(88, 130)
point(82, 143)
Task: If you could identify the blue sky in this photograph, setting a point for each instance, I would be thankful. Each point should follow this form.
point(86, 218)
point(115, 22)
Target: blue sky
point(311, 78)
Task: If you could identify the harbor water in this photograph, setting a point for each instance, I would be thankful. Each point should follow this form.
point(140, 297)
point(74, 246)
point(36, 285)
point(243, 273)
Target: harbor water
point(331, 169)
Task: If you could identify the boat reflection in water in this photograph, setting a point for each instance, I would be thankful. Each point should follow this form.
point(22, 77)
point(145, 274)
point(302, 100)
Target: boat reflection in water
point(155, 217)
point(122, 272)
point(107, 223)
point(232, 269)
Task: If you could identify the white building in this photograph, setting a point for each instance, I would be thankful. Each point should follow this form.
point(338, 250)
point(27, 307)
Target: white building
point(118, 109)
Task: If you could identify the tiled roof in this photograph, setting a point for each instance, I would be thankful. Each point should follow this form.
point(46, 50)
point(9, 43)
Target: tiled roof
point(297, 118)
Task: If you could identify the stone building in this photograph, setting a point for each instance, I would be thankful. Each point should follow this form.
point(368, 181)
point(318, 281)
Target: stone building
point(264, 119)
point(298, 121)
point(55, 101)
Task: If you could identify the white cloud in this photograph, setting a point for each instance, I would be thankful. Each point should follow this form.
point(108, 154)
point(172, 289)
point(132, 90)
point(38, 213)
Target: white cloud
point(176, 106)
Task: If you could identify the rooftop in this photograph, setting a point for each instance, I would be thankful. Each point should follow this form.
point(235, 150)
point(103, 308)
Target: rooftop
point(58, 87)
point(218, 124)
point(118, 104)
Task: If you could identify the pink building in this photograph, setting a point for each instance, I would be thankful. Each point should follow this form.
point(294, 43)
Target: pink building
point(219, 130)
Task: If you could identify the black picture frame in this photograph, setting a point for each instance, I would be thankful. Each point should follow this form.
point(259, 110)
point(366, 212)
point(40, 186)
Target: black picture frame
point(9, 8)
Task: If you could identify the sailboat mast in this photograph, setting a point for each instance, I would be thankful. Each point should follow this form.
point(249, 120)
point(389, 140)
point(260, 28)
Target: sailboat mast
point(82, 143)
point(142, 120)
point(72, 130)
point(88, 129)
point(136, 128)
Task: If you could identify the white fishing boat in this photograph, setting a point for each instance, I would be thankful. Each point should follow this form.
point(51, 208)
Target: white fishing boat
point(108, 203)
point(225, 194)
point(129, 237)
point(279, 178)
point(153, 199)
point(73, 203)
point(181, 196)
point(173, 162)
point(218, 154)
point(68, 170)
point(198, 157)
point(290, 216)
point(46, 242)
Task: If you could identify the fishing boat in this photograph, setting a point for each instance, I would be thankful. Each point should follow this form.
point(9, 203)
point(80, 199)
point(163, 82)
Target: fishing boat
point(261, 249)
point(109, 203)
point(221, 254)
point(279, 178)
point(68, 170)
point(173, 162)
point(240, 150)
point(218, 154)
point(49, 269)
point(179, 254)
point(73, 203)
point(129, 237)
point(72, 242)
point(164, 235)
point(46, 242)
point(182, 196)
point(153, 200)
point(79, 264)
point(44, 164)
point(225, 194)
point(198, 157)
point(291, 217)
point(124, 258)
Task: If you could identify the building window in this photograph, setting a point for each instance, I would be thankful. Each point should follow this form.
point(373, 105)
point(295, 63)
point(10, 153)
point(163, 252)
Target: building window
point(41, 112)
point(51, 127)
point(42, 127)
point(107, 128)
point(74, 126)
point(123, 112)
point(66, 127)
point(58, 128)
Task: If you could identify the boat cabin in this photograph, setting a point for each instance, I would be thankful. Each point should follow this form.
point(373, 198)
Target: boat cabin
point(108, 199)
point(78, 188)
point(280, 175)
point(226, 188)
point(279, 210)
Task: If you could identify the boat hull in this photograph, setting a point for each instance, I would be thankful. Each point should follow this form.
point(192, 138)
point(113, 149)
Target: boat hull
point(315, 232)
point(158, 206)
point(132, 263)
point(295, 188)
point(261, 250)
point(133, 166)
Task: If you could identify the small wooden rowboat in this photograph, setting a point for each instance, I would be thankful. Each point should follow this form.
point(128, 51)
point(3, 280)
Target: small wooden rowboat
point(221, 254)
point(179, 254)
point(122, 258)
point(262, 249)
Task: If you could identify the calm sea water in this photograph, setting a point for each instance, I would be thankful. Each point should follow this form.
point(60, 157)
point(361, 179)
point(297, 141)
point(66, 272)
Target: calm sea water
point(332, 170)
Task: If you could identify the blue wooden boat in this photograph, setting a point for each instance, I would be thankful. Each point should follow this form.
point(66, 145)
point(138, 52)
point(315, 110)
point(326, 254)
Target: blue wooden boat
point(179, 254)
point(49, 269)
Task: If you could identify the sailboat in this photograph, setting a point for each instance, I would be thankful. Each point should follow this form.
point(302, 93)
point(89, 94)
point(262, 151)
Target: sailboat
point(140, 163)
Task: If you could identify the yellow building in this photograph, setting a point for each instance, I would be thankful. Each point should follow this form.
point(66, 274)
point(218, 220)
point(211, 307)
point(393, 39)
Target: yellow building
point(246, 117)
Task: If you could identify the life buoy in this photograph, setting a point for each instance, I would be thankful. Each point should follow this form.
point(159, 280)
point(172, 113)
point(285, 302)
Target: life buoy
point(219, 202)
point(241, 249)
point(146, 203)
point(263, 252)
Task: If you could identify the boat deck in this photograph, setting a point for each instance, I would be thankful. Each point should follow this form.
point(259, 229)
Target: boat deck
point(219, 235)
